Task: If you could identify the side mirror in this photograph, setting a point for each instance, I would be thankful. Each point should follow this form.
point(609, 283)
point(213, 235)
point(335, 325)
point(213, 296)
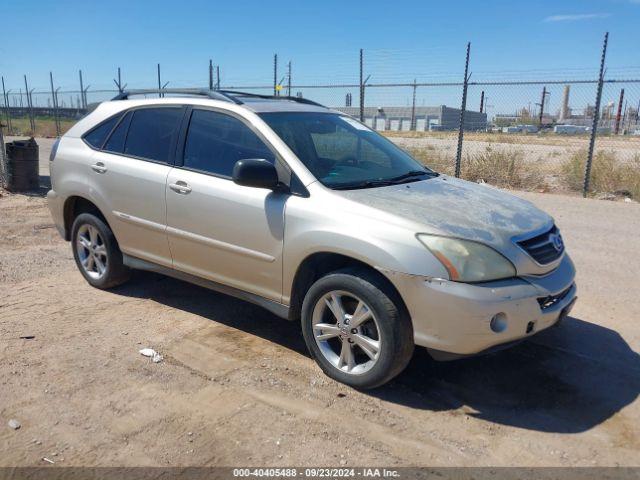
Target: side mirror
point(255, 172)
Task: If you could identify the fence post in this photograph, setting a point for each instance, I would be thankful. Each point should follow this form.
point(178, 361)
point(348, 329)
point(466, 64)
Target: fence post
point(412, 127)
point(3, 161)
point(275, 74)
point(462, 109)
point(542, 101)
point(119, 83)
point(7, 108)
point(210, 74)
point(54, 104)
point(83, 100)
point(32, 121)
point(361, 86)
point(619, 113)
point(596, 114)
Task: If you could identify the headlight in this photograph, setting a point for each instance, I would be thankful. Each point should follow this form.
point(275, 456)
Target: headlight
point(468, 261)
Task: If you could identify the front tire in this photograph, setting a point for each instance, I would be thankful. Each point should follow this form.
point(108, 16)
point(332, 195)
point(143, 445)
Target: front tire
point(96, 252)
point(356, 328)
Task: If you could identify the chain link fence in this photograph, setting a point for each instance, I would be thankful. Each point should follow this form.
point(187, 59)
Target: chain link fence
point(521, 129)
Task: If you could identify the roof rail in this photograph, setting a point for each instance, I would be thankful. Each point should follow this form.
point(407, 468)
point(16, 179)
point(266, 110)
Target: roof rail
point(234, 93)
point(213, 94)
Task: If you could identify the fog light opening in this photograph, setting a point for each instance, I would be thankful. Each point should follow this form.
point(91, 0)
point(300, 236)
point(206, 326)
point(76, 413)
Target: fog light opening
point(498, 323)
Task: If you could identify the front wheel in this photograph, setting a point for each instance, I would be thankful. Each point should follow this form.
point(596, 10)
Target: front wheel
point(355, 328)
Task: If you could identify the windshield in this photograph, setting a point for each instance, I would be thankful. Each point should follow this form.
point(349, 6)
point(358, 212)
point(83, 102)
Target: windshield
point(342, 153)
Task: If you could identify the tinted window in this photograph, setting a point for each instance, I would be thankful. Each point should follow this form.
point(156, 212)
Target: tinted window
point(215, 142)
point(98, 135)
point(119, 135)
point(151, 132)
point(341, 152)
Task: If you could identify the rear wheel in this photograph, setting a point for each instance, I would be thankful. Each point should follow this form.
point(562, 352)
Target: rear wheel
point(96, 252)
point(354, 330)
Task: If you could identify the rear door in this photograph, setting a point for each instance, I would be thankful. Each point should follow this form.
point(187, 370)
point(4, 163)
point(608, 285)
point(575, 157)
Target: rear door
point(131, 169)
point(219, 230)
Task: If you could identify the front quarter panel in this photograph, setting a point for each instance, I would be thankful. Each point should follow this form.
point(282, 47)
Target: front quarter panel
point(325, 222)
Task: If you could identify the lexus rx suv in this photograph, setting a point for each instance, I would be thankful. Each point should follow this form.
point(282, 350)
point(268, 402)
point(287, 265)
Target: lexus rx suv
point(312, 215)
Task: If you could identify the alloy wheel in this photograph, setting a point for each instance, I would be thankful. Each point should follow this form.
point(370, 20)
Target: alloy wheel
point(92, 251)
point(346, 331)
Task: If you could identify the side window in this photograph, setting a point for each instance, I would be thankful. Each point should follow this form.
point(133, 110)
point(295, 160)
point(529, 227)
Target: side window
point(151, 131)
point(215, 142)
point(98, 135)
point(116, 140)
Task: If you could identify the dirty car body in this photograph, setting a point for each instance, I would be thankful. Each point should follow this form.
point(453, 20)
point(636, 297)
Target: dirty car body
point(311, 214)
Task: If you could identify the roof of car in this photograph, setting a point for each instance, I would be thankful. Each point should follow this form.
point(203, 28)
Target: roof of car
point(258, 103)
point(262, 105)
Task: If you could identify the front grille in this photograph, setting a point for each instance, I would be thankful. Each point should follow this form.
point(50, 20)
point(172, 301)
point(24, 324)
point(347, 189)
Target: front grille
point(542, 248)
point(551, 300)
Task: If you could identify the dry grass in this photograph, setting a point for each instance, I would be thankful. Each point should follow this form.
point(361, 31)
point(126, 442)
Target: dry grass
point(434, 159)
point(505, 169)
point(499, 168)
point(45, 126)
point(546, 138)
point(608, 174)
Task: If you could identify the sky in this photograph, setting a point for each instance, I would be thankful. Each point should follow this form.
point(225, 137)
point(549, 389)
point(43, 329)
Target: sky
point(402, 40)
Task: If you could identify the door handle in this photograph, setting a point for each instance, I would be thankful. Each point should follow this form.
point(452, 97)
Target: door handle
point(99, 167)
point(180, 187)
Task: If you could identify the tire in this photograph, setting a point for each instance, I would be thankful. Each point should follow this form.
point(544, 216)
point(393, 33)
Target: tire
point(94, 245)
point(388, 327)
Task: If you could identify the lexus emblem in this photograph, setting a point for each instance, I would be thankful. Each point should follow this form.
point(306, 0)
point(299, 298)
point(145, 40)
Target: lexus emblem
point(556, 241)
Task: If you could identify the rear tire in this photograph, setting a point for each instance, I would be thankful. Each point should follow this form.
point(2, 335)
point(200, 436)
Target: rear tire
point(357, 328)
point(96, 252)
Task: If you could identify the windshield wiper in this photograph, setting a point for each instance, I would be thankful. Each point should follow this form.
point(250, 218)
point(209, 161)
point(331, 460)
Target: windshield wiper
point(404, 178)
point(410, 175)
point(365, 184)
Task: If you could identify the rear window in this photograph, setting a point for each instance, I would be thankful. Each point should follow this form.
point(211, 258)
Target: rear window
point(151, 133)
point(98, 135)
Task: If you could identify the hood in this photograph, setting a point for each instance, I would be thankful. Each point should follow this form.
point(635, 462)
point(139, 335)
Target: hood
point(457, 208)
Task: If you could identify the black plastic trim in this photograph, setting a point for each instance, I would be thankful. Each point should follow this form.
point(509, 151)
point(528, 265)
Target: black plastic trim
point(274, 307)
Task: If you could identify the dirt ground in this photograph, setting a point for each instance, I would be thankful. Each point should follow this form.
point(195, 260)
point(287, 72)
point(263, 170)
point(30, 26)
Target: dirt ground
point(237, 387)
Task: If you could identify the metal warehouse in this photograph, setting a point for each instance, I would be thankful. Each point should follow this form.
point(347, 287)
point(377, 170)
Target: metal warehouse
point(422, 119)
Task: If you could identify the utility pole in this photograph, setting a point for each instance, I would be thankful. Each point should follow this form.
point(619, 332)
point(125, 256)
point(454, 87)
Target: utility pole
point(596, 113)
point(619, 113)
point(289, 79)
point(217, 77)
point(159, 83)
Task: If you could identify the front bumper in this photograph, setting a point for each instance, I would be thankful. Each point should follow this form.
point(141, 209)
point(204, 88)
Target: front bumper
point(454, 318)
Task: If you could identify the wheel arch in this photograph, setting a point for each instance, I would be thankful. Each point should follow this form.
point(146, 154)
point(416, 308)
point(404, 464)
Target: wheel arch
point(74, 206)
point(319, 264)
